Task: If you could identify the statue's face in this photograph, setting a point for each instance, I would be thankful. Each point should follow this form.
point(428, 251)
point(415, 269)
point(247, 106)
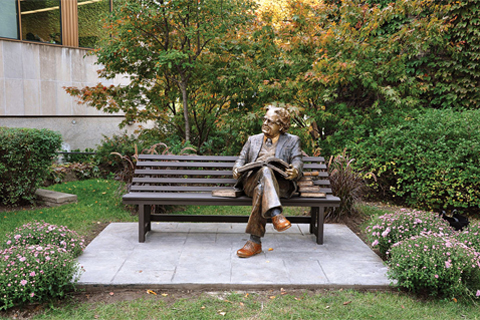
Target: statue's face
point(271, 124)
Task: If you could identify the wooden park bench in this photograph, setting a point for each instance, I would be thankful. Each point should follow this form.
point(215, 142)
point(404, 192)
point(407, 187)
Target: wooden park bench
point(189, 180)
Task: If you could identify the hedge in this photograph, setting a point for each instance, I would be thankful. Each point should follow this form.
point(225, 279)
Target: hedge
point(431, 162)
point(25, 156)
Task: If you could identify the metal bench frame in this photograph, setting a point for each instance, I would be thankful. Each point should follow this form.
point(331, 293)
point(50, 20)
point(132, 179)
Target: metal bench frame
point(189, 180)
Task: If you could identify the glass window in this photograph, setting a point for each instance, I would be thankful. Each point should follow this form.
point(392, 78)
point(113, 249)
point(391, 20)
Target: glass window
point(90, 14)
point(41, 20)
point(8, 19)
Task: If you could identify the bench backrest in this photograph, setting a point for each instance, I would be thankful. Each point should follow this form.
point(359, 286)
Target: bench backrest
point(192, 173)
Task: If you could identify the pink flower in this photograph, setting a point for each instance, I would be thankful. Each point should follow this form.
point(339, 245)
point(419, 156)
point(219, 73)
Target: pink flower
point(448, 264)
point(17, 236)
point(23, 282)
point(22, 259)
point(374, 243)
point(436, 276)
point(9, 242)
point(32, 294)
point(32, 274)
point(478, 293)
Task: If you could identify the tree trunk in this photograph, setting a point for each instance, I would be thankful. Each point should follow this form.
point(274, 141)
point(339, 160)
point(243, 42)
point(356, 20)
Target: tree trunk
point(183, 88)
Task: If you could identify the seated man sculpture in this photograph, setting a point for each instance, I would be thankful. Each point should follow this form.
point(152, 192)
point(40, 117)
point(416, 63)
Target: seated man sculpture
point(265, 185)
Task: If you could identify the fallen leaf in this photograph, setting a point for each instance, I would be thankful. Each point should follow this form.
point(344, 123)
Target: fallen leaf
point(347, 302)
point(96, 316)
point(202, 307)
point(246, 295)
point(282, 291)
point(164, 294)
point(241, 303)
point(454, 300)
point(272, 297)
point(228, 301)
point(327, 307)
point(104, 193)
point(222, 313)
point(270, 249)
point(298, 299)
point(151, 292)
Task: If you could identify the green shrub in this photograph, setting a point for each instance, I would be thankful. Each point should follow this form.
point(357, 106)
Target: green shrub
point(430, 162)
point(390, 228)
point(25, 158)
point(437, 265)
point(76, 171)
point(125, 144)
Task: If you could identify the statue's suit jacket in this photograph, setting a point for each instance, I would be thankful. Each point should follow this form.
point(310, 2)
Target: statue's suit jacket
point(288, 149)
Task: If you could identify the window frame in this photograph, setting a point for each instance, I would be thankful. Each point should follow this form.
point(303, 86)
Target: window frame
point(68, 24)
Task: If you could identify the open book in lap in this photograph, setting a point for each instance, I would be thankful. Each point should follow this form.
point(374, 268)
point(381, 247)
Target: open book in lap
point(276, 164)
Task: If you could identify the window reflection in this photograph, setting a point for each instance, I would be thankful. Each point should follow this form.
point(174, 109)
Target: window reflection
point(41, 20)
point(90, 14)
point(8, 19)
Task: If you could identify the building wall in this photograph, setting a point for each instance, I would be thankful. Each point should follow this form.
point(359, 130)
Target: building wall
point(31, 95)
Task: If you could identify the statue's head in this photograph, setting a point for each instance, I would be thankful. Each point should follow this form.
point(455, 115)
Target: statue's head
point(276, 121)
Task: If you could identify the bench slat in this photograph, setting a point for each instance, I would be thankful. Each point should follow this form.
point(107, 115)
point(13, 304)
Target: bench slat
point(186, 180)
point(312, 166)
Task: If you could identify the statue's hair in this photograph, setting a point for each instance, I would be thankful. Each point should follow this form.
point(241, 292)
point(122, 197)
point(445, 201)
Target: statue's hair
point(283, 115)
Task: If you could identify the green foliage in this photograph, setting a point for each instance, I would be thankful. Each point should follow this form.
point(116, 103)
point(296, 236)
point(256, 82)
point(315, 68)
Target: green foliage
point(453, 71)
point(25, 158)
point(37, 263)
point(73, 171)
point(348, 65)
point(347, 184)
point(124, 144)
point(435, 264)
point(166, 48)
point(431, 161)
point(388, 229)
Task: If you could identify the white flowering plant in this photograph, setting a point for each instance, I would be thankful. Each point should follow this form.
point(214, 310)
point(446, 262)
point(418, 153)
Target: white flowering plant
point(37, 263)
point(391, 228)
point(437, 265)
point(42, 233)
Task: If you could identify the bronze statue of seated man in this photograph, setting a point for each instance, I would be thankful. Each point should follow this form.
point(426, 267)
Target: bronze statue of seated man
point(265, 185)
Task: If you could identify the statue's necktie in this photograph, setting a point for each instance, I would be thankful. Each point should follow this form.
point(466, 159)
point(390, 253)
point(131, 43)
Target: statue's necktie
point(268, 142)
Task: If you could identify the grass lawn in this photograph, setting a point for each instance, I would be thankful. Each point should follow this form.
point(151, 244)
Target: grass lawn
point(99, 204)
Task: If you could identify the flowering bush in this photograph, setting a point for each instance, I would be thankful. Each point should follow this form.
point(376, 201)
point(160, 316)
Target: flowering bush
point(41, 233)
point(37, 262)
point(436, 264)
point(34, 273)
point(470, 236)
point(391, 228)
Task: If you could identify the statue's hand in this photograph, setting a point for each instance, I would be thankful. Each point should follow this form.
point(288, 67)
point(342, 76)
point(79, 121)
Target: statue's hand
point(236, 174)
point(292, 173)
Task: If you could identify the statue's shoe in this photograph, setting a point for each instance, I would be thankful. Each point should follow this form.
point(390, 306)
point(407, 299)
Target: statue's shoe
point(280, 223)
point(249, 249)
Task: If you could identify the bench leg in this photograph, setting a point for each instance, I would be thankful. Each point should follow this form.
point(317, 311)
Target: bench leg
point(320, 219)
point(313, 220)
point(144, 224)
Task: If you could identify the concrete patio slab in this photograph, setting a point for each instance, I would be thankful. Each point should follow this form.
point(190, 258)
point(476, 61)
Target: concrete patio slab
point(203, 255)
